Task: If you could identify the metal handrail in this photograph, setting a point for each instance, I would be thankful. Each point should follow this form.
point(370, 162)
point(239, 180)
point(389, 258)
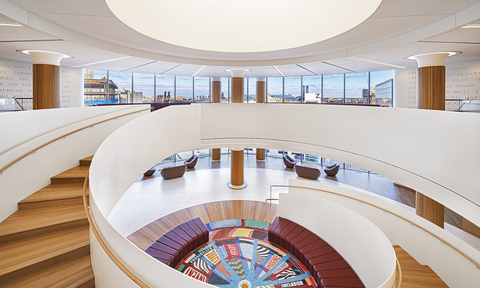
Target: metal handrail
point(378, 207)
point(102, 243)
point(63, 136)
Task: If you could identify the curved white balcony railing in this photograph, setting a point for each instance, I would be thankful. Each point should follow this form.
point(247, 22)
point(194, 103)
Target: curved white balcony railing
point(392, 142)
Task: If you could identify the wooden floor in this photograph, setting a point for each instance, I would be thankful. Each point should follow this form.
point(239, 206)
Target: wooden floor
point(208, 212)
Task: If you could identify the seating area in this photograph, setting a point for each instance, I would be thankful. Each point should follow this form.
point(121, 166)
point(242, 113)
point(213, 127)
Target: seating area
point(326, 265)
point(332, 170)
point(307, 172)
point(174, 245)
point(173, 172)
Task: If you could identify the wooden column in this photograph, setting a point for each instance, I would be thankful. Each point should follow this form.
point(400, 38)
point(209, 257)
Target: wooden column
point(431, 87)
point(261, 87)
point(430, 209)
point(237, 90)
point(237, 168)
point(216, 98)
point(46, 86)
point(430, 95)
point(236, 160)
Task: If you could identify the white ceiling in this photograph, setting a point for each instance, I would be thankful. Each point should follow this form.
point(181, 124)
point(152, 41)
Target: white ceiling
point(89, 32)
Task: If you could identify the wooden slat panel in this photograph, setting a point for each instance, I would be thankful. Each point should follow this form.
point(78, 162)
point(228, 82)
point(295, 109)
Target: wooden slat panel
point(260, 91)
point(471, 228)
point(216, 91)
point(208, 212)
point(237, 175)
point(216, 154)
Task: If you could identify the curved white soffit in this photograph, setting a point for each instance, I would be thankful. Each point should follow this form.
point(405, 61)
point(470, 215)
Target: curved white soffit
point(217, 25)
point(29, 19)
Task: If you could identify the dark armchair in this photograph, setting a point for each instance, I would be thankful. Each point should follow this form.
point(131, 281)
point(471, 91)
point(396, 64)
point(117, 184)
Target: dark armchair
point(332, 170)
point(289, 162)
point(191, 162)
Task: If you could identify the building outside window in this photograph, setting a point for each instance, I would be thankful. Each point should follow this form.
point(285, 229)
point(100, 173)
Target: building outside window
point(381, 87)
point(356, 88)
point(201, 89)
point(275, 89)
point(252, 90)
point(184, 89)
point(143, 86)
point(312, 89)
point(95, 87)
point(225, 94)
point(333, 88)
point(293, 89)
point(165, 89)
point(124, 83)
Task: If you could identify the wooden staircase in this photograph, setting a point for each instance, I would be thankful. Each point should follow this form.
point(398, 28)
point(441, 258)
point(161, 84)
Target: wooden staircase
point(414, 274)
point(46, 242)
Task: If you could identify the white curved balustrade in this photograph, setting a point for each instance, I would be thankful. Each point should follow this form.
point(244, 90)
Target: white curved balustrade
point(412, 147)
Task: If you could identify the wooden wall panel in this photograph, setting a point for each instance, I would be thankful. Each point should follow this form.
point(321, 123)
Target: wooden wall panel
point(430, 209)
point(431, 87)
point(261, 91)
point(237, 168)
point(471, 228)
point(237, 90)
point(216, 91)
point(46, 86)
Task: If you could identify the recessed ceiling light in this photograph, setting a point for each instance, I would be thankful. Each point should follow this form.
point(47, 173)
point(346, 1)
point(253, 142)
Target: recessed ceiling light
point(280, 72)
point(28, 52)
point(375, 62)
point(11, 24)
point(103, 61)
point(471, 26)
point(195, 74)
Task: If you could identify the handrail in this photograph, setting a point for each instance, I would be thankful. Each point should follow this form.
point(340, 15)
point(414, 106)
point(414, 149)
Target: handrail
point(63, 136)
point(399, 284)
point(378, 207)
point(105, 247)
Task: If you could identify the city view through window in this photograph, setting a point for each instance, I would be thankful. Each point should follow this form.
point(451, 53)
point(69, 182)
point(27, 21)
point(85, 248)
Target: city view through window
point(364, 88)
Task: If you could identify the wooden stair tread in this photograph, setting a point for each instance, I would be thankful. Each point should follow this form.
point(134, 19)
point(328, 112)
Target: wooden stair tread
point(55, 192)
point(63, 274)
point(31, 250)
point(25, 220)
point(403, 257)
point(86, 161)
point(75, 172)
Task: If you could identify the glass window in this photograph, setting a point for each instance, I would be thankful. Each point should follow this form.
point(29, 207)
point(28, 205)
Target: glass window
point(312, 89)
point(252, 90)
point(165, 88)
point(143, 88)
point(95, 85)
point(275, 89)
point(201, 89)
point(381, 88)
point(333, 88)
point(356, 88)
point(245, 90)
point(293, 89)
point(225, 94)
point(123, 82)
point(184, 89)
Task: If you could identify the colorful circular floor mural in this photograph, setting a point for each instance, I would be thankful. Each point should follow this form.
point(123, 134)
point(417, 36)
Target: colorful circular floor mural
point(245, 263)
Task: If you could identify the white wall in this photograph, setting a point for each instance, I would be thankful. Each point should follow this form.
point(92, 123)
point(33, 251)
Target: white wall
point(25, 131)
point(451, 266)
point(361, 244)
point(462, 81)
point(16, 81)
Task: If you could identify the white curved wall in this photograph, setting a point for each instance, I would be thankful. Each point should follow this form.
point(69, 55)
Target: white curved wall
point(27, 130)
point(392, 142)
point(361, 244)
point(452, 267)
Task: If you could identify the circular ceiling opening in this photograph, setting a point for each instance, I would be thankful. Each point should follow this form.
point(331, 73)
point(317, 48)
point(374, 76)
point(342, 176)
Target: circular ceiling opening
point(242, 26)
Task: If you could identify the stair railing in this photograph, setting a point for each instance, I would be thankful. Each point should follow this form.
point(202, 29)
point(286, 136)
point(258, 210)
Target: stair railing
point(102, 243)
point(63, 136)
point(378, 207)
